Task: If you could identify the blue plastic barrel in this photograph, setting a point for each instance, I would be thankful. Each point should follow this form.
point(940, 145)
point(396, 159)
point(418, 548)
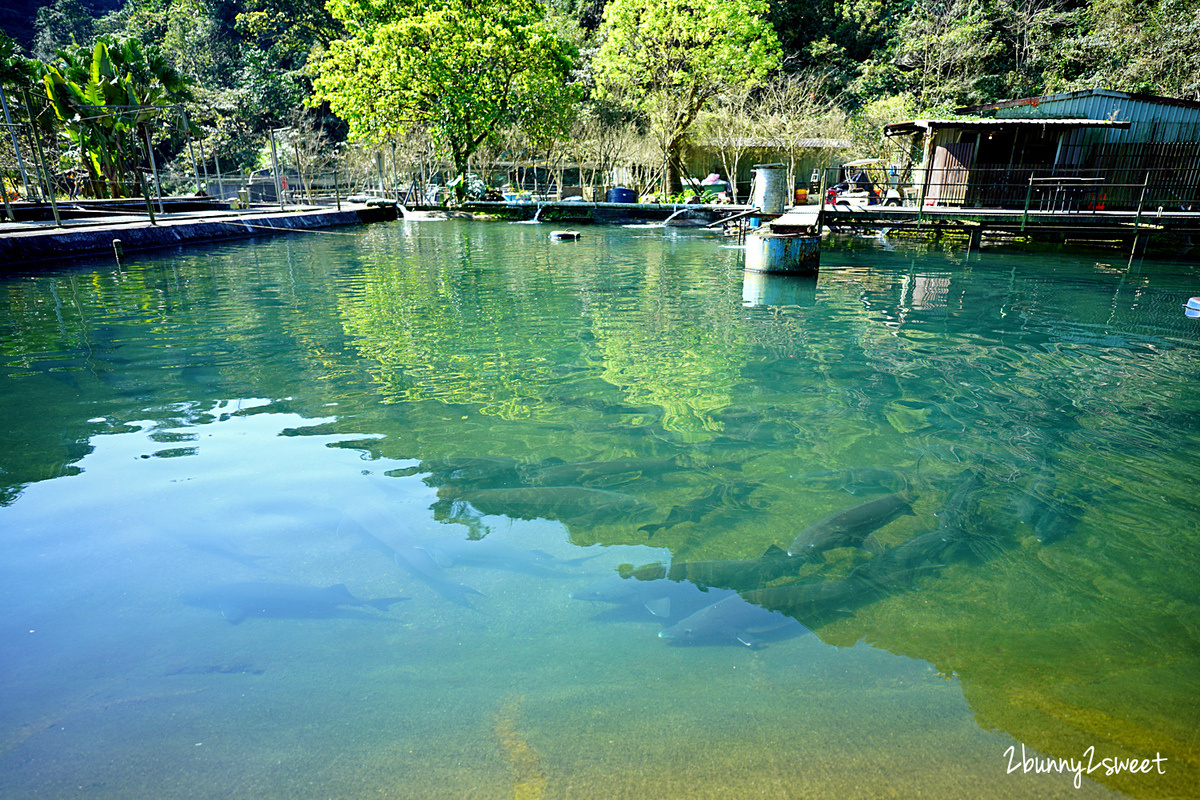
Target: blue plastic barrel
point(620, 194)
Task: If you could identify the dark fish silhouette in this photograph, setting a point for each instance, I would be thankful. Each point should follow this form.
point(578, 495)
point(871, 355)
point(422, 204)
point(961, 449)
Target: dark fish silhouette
point(569, 504)
point(1050, 515)
point(237, 601)
point(856, 480)
point(922, 550)
point(490, 553)
point(732, 619)
point(563, 473)
point(959, 506)
point(222, 549)
point(850, 527)
point(813, 601)
point(468, 472)
point(415, 562)
point(663, 598)
point(748, 573)
point(720, 497)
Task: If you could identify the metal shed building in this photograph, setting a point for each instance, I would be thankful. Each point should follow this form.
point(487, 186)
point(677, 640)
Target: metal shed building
point(1094, 149)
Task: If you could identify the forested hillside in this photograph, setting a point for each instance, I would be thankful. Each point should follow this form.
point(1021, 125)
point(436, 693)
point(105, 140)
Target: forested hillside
point(256, 64)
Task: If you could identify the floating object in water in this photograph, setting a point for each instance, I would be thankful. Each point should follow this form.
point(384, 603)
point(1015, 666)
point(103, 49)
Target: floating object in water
point(1191, 309)
point(564, 236)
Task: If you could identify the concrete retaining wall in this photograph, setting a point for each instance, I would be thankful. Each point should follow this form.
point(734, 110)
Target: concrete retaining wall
point(52, 244)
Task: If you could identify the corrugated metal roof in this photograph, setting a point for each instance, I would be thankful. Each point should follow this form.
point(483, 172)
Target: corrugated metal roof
point(1153, 118)
point(917, 125)
point(1082, 94)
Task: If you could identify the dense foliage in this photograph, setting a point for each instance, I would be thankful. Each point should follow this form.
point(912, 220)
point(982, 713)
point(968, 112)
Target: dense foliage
point(671, 58)
point(468, 77)
point(461, 70)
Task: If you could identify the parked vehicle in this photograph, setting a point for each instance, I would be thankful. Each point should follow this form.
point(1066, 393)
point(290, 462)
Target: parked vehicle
point(866, 182)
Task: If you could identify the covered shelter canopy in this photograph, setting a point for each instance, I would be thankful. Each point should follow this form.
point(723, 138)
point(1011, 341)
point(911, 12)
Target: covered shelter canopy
point(991, 163)
point(925, 125)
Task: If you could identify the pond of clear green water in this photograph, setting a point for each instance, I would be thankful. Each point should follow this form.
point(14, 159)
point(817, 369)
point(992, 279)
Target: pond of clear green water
point(197, 444)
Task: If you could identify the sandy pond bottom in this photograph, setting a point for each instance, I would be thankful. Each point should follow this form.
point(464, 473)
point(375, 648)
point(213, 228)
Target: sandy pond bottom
point(533, 695)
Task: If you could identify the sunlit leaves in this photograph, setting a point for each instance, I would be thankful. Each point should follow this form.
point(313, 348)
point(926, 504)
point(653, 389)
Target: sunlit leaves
point(462, 70)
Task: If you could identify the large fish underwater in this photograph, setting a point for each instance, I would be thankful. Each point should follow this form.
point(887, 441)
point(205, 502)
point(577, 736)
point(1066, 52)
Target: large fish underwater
point(491, 553)
point(851, 527)
point(360, 521)
point(663, 598)
point(733, 620)
point(739, 573)
point(569, 504)
point(237, 601)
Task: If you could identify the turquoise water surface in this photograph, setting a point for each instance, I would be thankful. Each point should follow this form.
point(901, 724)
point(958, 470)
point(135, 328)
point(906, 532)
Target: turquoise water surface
point(302, 517)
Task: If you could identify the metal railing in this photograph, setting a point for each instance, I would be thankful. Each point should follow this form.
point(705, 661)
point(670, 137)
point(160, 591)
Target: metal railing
point(1048, 189)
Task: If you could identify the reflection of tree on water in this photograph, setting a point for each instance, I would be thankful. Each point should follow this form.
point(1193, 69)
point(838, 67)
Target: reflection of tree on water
point(1062, 619)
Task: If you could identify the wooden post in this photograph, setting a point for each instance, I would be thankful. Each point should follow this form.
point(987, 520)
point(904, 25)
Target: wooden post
point(220, 185)
point(39, 174)
point(203, 165)
point(974, 236)
point(395, 174)
point(927, 153)
point(300, 169)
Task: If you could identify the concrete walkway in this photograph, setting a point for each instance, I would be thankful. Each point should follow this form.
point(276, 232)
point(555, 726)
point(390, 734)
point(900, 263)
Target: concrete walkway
point(31, 242)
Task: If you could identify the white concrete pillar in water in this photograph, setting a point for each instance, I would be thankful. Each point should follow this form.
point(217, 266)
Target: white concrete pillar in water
point(783, 253)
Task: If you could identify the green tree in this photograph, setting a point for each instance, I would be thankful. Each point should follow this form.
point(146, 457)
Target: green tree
point(1135, 45)
point(671, 58)
point(62, 24)
point(950, 48)
point(462, 69)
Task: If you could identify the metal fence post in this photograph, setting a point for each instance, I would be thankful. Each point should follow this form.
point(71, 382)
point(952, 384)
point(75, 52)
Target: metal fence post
point(1028, 197)
point(191, 150)
point(12, 132)
point(41, 155)
point(8, 212)
point(275, 169)
point(1141, 202)
point(146, 194)
point(153, 168)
